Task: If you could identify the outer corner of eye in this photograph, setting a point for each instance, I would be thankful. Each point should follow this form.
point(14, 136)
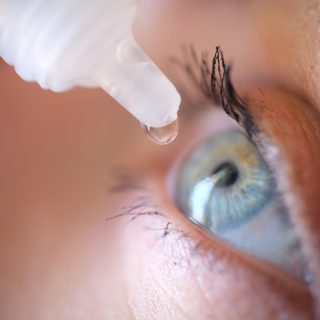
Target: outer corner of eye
point(224, 186)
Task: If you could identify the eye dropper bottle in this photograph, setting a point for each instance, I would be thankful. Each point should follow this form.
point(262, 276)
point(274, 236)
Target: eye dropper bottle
point(61, 44)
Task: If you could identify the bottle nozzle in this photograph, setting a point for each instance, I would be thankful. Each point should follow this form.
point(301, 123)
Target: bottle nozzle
point(140, 87)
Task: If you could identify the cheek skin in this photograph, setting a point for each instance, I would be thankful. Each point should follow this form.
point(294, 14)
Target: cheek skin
point(185, 274)
point(293, 126)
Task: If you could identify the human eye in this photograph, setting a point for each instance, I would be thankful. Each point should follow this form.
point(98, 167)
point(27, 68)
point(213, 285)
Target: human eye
point(237, 186)
point(226, 187)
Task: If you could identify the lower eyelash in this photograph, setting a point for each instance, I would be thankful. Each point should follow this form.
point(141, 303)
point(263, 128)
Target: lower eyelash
point(143, 204)
point(140, 207)
point(122, 180)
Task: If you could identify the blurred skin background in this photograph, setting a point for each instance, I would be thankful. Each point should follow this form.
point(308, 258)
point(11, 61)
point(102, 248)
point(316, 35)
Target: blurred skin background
point(71, 161)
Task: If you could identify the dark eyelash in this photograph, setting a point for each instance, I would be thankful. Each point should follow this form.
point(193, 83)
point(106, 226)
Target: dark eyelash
point(168, 229)
point(215, 83)
point(142, 205)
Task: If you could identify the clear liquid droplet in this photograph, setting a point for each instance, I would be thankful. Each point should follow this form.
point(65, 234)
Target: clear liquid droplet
point(162, 135)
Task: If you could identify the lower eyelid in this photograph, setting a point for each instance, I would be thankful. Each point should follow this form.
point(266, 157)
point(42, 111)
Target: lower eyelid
point(207, 269)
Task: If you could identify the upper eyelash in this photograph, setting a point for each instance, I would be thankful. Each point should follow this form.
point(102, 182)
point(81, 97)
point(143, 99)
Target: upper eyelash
point(215, 83)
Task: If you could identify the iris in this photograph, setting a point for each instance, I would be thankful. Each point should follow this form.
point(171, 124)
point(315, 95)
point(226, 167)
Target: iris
point(224, 182)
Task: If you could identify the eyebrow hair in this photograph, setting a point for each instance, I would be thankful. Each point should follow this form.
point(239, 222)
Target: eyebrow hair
point(214, 82)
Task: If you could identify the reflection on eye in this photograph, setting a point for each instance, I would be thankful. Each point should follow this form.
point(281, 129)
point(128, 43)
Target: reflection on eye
point(226, 187)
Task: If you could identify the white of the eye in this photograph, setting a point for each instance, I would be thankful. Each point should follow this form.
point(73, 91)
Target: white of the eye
point(266, 236)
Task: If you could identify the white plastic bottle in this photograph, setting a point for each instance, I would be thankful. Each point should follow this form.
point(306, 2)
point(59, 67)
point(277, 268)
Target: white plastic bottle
point(65, 43)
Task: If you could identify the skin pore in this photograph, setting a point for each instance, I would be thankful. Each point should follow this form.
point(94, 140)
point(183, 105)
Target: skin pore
point(70, 161)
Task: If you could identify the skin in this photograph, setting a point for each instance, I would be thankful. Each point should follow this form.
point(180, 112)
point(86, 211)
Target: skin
point(63, 153)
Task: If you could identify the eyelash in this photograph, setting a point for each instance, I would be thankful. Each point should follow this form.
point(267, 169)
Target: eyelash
point(215, 84)
point(142, 205)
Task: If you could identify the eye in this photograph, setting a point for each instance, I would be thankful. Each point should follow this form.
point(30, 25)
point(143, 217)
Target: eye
point(226, 187)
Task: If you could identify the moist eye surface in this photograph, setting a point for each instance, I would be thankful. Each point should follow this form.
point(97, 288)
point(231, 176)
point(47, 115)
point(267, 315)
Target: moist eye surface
point(226, 187)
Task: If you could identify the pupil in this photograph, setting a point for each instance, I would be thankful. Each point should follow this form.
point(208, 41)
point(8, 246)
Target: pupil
point(227, 174)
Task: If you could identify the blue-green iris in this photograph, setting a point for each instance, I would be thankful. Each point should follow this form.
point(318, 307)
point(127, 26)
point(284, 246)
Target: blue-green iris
point(224, 182)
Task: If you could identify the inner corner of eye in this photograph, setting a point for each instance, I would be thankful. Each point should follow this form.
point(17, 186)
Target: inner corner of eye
point(225, 187)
